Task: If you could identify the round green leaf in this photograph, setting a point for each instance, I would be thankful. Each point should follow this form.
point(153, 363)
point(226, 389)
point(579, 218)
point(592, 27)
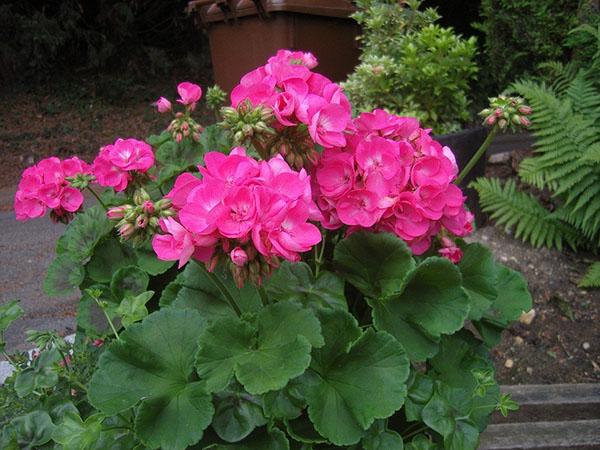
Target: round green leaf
point(376, 264)
point(109, 256)
point(75, 434)
point(149, 263)
point(259, 440)
point(9, 312)
point(479, 275)
point(431, 304)
point(64, 275)
point(348, 389)
point(237, 414)
point(265, 356)
point(296, 282)
point(153, 362)
point(32, 430)
point(129, 280)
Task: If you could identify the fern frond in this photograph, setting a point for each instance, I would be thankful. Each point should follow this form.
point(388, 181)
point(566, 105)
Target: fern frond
point(592, 276)
point(523, 213)
point(584, 97)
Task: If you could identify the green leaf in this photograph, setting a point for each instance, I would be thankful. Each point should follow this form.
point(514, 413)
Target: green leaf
point(85, 231)
point(75, 434)
point(130, 280)
point(513, 298)
point(133, 308)
point(215, 139)
point(264, 355)
point(153, 363)
point(358, 377)
point(89, 316)
point(420, 390)
point(295, 281)
point(432, 303)
point(9, 312)
point(445, 413)
point(157, 139)
point(41, 374)
point(149, 263)
point(376, 264)
point(237, 414)
point(286, 403)
point(65, 274)
point(479, 274)
point(302, 430)
point(259, 440)
point(199, 292)
point(380, 438)
point(421, 442)
point(32, 430)
point(109, 256)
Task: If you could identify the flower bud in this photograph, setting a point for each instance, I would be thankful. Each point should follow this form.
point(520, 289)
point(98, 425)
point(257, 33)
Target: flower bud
point(163, 105)
point(524, 121)
point(116, 213)
point(141, 221)
point(239, 257)
point(126, 230)
point(148, 207)
point(140, 196)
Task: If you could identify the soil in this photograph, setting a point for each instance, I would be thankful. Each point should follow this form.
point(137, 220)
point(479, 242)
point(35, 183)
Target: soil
point(560, 345)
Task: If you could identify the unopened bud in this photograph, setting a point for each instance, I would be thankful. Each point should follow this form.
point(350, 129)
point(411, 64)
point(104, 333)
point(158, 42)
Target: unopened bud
point(524, 121)
point(148, 207)
point(141, 221)
point(116, 213)
point(126, 230)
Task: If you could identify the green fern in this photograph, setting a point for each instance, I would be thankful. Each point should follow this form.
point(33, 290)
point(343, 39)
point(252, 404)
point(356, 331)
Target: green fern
point(523, 213)
point(592, 277)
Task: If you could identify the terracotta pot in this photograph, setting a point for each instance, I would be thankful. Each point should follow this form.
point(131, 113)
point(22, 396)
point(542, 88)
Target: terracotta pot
point(464, 144)
point(244, 33)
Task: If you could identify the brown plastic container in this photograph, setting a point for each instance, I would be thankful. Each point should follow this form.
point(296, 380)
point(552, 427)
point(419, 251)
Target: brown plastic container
point(244, 33)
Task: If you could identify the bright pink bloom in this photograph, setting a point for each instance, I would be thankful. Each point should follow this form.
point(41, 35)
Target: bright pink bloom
point(45, 185)
point(189, 93)
point(328, 124)
point(239, 256)
point(453, 254)
point(163, 105)
point(183, 186)
point(359, 207)
point(176, 244)
point(115, 162)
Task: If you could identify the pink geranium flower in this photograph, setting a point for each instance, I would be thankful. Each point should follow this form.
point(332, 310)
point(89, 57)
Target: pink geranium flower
point(115, 164)
point(189, 93)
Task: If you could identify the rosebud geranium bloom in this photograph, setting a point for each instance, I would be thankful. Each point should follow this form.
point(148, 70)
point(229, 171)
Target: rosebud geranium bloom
point(298, 96)
point(391, 176)
point(163, 105)
point(45, 185)
point(189, 93)
point(241, 207)
point(115, 164)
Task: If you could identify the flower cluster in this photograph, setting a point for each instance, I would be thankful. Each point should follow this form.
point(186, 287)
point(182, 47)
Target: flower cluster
point(254, 211)
point(116, 163)
point(392, 176)
point(183, 125)
point(507, 113)
point(298, 96)
point(46, 185)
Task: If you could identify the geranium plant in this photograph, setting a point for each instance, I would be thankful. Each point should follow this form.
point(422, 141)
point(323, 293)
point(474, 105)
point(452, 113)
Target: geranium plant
point(289, 278)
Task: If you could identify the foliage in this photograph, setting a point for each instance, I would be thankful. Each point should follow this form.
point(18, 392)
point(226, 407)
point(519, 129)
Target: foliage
point(592, 277)
point(411, 66)
point(519, 35)
point(38, 38)
point(257, 343)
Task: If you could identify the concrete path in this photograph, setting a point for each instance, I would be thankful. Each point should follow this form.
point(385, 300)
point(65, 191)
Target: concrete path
point(26, 250)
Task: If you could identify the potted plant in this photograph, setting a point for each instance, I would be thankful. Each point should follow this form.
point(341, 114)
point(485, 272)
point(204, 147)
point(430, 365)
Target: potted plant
point(318, 286)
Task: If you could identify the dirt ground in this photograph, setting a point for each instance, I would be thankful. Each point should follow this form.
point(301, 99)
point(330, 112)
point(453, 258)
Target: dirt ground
point(561, 344)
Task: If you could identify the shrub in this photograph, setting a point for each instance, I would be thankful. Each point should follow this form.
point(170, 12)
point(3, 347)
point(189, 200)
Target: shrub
point(410, 65)
point(318, 265)
point(521, 34)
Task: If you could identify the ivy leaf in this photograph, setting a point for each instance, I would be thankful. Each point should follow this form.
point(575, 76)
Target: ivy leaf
point(153, 363)
point(479, 275)
point(296, 282)
point(356, 378)
point(133, 308)
point(32, 430)
point(431, 304)
point(130, 280)
point(75, 434)
point(64, 275)
point(264, 355)
point(237, 414)
point(376, 264)
point(513, 298)
point(259, 440)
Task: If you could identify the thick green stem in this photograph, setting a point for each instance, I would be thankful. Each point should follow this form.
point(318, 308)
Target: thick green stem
point(488, 140)
point(97, 198)
point(223, 289)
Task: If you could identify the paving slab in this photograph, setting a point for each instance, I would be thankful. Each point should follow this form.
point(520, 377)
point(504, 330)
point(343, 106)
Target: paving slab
point(26, 250)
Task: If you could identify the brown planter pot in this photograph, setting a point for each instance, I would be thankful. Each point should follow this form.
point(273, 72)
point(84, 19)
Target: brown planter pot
point(464, 144)
point(244, 33)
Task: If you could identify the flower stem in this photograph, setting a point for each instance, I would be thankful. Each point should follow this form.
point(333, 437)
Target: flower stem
point(319, 255)
point(97, 198)
point(263, 296)
point(223, 289)
point(488, 140)
point(108, 319)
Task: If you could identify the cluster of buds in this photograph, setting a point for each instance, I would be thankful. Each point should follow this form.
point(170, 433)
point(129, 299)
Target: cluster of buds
point(296, 146)
point(247, 123)
point(247, 264)
point(139, 222)
point(507, 113)
point(183, 126)
point(215, 97)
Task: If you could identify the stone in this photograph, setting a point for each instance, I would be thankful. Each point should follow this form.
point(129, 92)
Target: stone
point(509, 363)
point(527, 317)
